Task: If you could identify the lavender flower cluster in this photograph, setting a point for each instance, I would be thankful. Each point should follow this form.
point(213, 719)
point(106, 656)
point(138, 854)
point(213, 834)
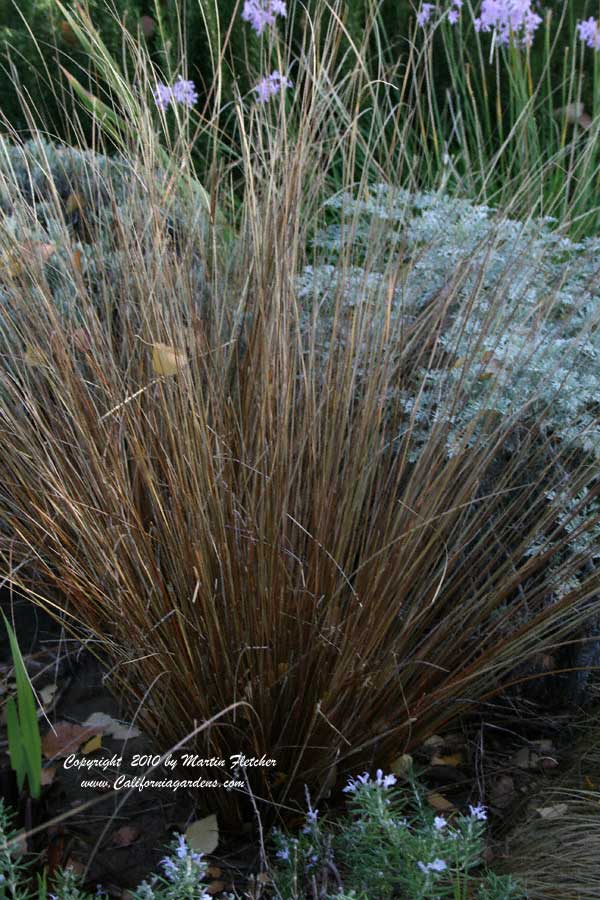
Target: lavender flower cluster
point(261, 14)
point(507, 18)
point(589, 32)
point(384, 854)
point(182, 92)
point(427, 10)
point(270, 85)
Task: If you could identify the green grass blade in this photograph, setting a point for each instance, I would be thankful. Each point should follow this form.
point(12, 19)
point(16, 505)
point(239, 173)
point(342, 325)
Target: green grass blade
point(15, 742)
point(26, 723)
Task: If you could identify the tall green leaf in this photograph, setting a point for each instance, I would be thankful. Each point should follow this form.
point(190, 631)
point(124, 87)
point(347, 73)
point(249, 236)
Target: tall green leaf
point(24, 724)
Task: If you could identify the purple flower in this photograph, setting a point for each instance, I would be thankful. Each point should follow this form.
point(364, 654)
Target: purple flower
point(261, 13)
point(453, 16)
point(509, 18)
point(170, 867)
point(184, 92)
point(589, 31)
point(439, 823)
point(270, 85)
point(283, 854)
point(162, 95)
point(478, 812)
point(384, 781)
point(311, 820)
point(425, 14)
point(181, 847)
point(438, 865)
point(354, 783)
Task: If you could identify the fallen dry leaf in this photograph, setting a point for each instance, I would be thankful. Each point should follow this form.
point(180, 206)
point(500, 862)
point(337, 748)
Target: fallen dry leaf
point(120, 731)
point(74, 864)
point(203, 835)
point(433, 744)
point(168, 360)
point(126, 835)
point(92, 745)
point(439, 802)
point(65, 738)
point(47, 694)
point(47, 776)
point(526, 759)
point(214, 872)
point(544, 746)
point(453, 759)
point(552, 812)
point(215, 887)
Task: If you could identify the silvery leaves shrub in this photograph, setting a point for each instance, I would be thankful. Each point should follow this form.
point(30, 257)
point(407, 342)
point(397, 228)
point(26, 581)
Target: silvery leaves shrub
point(70, 198)
point(520, 339)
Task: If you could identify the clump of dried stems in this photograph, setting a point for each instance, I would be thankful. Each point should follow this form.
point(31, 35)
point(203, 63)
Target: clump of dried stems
point(231, 518)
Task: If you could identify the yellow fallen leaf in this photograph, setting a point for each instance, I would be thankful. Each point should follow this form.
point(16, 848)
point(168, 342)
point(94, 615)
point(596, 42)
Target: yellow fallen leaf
point(65, 738)
point(167, 360)
point(439, 802)
point(75, 202)
point(453, 759)
point(93, 744)
point(203, 835)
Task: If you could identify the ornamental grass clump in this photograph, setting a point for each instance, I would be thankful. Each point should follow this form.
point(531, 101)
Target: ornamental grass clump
point(301, 499)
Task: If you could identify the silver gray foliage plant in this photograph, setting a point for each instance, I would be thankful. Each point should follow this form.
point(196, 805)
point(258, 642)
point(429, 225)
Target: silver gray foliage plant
point(69, 198)
point(521, 331)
